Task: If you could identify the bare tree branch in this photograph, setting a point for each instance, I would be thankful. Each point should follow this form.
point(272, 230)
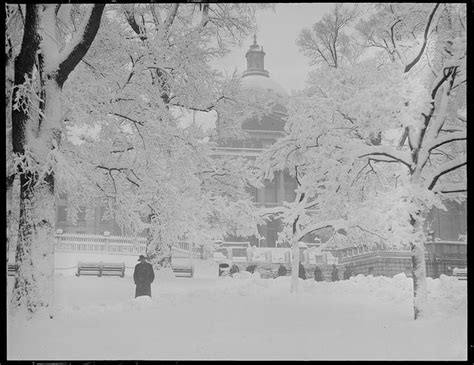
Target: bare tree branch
point(456, 136)
point(446, 168)
point(172, 14)
point(134, 25)
point(383, 151)
point(74, 52)
point(425, 37)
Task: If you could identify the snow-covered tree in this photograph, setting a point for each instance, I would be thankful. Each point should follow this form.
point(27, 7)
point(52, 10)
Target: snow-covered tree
point(42, 64)
point(375, 145)
point(125, 87)
point(328, 42)
point(153, 169)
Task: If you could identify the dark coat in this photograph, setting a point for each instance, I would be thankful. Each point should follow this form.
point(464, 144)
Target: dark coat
point(347, 273)
point(251, 268)
point(335, 274)
point(302, 272)
point(282, 271)
point(223, 267)
point(143, 277)
point(318, 276)
point(234, 269)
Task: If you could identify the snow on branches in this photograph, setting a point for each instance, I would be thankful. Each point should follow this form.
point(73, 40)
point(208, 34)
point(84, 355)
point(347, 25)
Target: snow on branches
point(341, 142)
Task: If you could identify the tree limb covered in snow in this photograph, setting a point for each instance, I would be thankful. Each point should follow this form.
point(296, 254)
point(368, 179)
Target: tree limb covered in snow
point(451, 188)
point(425, 40)
point(389, 152)
point(455, 136)
point(121, 169)
point(24, 64)
point(204, 109)
point(73, 53)
point(171, 16)
point(446, 168)
point(271, 211)
point(432, 126)
point(370, 232)
point(130, 16)
point(335, 223)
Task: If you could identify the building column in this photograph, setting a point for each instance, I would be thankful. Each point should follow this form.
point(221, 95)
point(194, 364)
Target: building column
point(281, 187)
point(261, 195)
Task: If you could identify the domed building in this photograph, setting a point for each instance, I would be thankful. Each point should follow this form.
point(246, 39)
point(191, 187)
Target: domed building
point(261, 134)
point(445, 227)
point(256, 76)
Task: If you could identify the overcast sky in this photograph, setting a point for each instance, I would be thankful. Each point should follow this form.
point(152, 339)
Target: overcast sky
point(277, 34)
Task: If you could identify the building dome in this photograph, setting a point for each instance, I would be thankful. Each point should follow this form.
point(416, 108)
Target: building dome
point(263, 82)
point(256, 77)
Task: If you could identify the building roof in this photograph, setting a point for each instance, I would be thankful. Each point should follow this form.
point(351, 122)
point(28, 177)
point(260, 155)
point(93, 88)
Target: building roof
point(256, 76)
point(254, 81)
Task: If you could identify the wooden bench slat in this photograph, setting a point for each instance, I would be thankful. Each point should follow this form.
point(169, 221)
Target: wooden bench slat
point(101, 268)
point(460, 274)
point(183, 271)
point(12, 269)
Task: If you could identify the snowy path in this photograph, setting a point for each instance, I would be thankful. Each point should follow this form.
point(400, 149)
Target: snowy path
point(247, 318)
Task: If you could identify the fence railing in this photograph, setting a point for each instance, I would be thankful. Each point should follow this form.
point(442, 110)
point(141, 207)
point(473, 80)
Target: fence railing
point(115, 245)
point(241, 251)
point(88, 243)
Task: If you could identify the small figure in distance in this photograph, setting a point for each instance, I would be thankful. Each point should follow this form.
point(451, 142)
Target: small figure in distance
point(334, 273)
point(347, 273)
point(318, 276)
point(251, 268)
point(282, 270)
point(224, 269)
point(143, 276)
point(234, 269)
point(301, 272)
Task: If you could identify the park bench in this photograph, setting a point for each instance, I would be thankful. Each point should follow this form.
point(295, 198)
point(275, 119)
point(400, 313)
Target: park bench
point(183, 271)
point(461, 274)
point(12, 269)
point(101, 268)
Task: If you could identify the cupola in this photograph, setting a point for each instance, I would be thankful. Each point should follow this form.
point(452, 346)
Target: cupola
point(255, 60)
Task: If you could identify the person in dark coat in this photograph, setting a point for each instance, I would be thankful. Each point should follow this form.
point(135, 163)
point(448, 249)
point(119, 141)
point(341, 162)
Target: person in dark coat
point(318, 276)
point(251, 268)
point(143, 276)
point(223, 269)
point(301, 272)
point(234, 269)
point(347, 273)
point(282, 270)
point(334, 273)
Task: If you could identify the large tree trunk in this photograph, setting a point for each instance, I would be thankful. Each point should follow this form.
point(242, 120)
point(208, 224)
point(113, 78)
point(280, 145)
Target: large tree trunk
point(295, 263)
point(34, 285)
point(420, 291)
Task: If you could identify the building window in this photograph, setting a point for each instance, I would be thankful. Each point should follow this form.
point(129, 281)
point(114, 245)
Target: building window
point(253, 192)
point(81, 214)
point(290, 187)
point(62, 213)
point(270, 191)
point(272, 233)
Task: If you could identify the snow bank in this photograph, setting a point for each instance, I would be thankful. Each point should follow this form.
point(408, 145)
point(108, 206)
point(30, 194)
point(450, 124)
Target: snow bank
point(205, 269)
point(245, 317)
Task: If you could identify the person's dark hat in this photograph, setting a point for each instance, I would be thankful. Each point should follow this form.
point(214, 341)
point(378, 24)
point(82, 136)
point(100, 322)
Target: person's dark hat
point(141, 257)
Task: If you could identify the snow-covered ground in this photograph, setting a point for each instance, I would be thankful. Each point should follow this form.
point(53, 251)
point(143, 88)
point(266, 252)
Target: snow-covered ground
point(244, 317)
